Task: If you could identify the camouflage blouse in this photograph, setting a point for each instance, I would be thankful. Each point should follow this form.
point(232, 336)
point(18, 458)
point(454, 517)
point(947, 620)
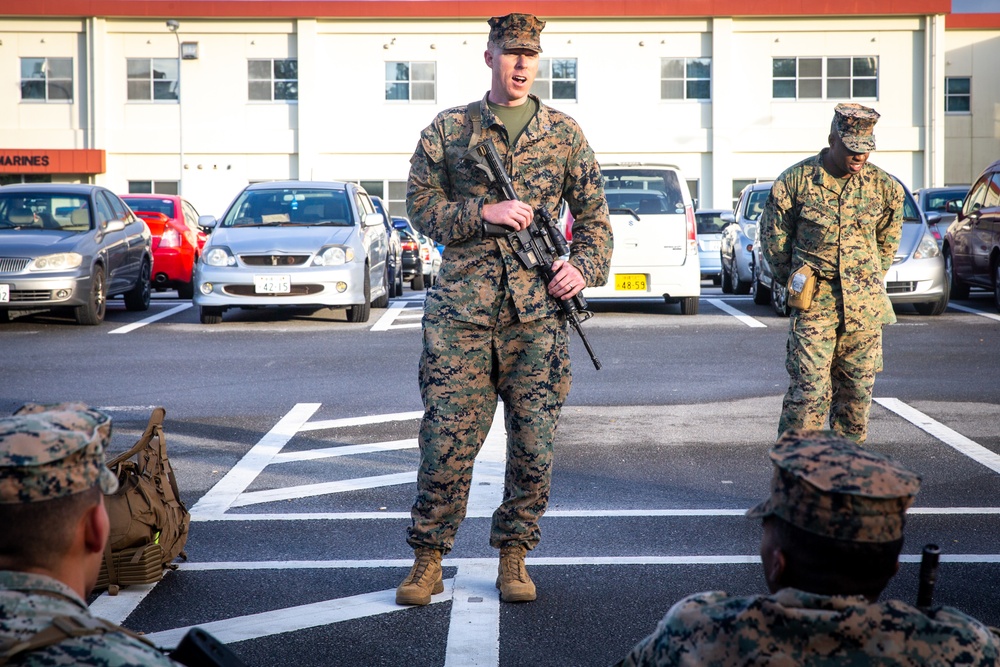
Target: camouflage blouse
point(29, 602)
point(847, 232)
point(551, 162)
point(795, 628)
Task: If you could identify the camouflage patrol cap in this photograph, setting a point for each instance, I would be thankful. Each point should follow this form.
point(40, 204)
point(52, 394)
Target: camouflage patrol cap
point(51, 451)
point(854, 124)
point(516, 31)
point(826, 484)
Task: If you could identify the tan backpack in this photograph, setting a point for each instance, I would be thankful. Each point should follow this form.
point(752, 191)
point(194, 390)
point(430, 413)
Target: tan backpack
point(149, 522)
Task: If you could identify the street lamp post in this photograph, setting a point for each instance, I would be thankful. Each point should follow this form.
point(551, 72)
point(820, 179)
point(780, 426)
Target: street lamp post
point(173, 26)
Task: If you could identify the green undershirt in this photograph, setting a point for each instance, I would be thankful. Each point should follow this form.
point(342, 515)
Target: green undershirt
point(515, 119)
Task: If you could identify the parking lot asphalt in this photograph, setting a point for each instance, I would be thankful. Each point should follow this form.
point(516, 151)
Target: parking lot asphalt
point(294, 441)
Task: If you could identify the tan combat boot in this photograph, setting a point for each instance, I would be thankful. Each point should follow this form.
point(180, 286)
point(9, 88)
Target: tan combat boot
point(512, 576)
point(423, 580)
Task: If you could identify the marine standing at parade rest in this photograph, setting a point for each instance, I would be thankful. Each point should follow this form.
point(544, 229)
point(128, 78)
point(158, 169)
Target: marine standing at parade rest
point(833, 531)
point(840, 217)
point(492, 328)
point(54, 528)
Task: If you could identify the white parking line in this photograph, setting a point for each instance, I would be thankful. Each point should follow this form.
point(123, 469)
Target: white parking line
point(397, 311)
point(966, 309)
point(152, 318)
point(953, 439)
point(745, 319)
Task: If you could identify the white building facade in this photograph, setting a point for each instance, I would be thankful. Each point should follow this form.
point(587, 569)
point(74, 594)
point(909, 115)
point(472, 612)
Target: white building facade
point(212, 102)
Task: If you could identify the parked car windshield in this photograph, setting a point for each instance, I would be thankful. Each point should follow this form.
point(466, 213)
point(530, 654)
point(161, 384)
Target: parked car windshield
point(710, 223)
point(287, 206)
point(69, 213)
point(643, 190)
point(164, 206)
point(938, 200)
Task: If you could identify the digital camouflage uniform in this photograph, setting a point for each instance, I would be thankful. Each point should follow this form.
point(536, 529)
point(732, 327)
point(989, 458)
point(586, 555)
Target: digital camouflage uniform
point(849, 238)
point(49, 452)
point(826, 485)
point(489, 327)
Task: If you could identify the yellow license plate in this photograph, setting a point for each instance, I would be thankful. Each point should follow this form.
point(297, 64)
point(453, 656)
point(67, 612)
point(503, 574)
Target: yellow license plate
point(630, 282)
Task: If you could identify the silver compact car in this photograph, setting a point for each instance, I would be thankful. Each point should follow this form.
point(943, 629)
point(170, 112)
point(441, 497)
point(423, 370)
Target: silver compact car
point(71, 247)
point(736, 247)
point(710, 223)
point(309, 244)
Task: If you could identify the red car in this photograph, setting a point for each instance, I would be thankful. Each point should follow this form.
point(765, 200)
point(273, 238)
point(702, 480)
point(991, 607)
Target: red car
point(177, 239)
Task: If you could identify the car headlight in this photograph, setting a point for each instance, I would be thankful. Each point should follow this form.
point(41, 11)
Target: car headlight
point(218, 256)
point(334, 256)
point(58, 262)
point(927, 248)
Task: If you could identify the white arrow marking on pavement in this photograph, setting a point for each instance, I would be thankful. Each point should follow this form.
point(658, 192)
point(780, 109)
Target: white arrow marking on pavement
point(291, 619)
point(992, 316)
point(344, 450)
point(219, 498)
point(486, 492)
point(953, 439)
point(322, 488)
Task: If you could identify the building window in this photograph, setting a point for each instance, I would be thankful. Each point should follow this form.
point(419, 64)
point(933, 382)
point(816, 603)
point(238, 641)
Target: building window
point(410, 81)
point(556, 79)
point(825, 78)
point(685, 78)
point(273, 80)
point(957, 94)
point(47, 79)
point(153, 79)
point(152, 187)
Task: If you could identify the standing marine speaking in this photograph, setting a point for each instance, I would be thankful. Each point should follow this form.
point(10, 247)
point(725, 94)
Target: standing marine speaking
point(492, 328)
point(829, 230)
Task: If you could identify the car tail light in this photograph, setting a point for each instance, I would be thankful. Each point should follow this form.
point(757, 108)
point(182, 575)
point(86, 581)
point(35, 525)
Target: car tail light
point(692, 230)
point(426, 254)
point(171, 238)
point(409, 246)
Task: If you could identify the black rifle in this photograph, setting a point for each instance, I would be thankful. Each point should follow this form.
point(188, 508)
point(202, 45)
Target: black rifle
point(539, 245)
point(929, 559)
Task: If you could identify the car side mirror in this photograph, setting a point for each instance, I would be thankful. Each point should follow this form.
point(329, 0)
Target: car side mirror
point(728, 217)
point(372, 219)
point(207, 221)
point(933, 218)
point(113, 226)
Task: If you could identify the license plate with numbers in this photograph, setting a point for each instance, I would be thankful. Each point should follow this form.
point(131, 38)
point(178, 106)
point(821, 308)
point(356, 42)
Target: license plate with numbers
point(630, 282)
point(276, 284)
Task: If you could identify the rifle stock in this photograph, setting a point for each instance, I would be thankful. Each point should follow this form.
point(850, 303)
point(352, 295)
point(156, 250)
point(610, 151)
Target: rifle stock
point(929, 559)
point(537, 246)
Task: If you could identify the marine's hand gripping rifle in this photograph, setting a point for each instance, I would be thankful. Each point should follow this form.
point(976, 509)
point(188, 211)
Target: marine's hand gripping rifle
point(539, 245)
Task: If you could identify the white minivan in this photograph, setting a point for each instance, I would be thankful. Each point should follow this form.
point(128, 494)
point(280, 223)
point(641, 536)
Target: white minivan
point(656, 238)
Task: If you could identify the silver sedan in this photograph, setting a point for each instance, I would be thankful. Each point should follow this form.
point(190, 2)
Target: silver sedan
point(290, 243)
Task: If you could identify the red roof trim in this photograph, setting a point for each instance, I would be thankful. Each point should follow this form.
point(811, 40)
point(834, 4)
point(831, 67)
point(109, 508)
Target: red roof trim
point(972, 21)
point(434, 9)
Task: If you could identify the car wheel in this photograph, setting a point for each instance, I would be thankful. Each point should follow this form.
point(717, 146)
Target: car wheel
point(5, 316)
point(417, 282)
point(739, 286)
point(186, 291)
point(398, 282)
point(761, 294)
point(958, 289)
point(137, 298)
point(727, 280)
point(383, 301)
point(716, 280)
point(779, 299)
point(360, 312)
point(689, 305)
point(211, 315)
point(92, 312)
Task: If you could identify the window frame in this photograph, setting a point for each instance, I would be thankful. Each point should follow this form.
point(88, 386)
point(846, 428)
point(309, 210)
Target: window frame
point(686, 80)
point(273, 81)
point(548, 80)
point(967, 95)
point(47, 81)
point(409, 82)
point(152, 80)
point(824, 77)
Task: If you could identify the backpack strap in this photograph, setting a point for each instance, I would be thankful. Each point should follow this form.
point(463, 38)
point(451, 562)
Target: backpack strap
point(475, 113)
point(63, 628)
point(155, 420)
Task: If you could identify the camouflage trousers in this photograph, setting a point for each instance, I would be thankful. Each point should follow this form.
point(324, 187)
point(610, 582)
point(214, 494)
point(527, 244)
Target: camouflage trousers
point(831, 370)
point(463, 369)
